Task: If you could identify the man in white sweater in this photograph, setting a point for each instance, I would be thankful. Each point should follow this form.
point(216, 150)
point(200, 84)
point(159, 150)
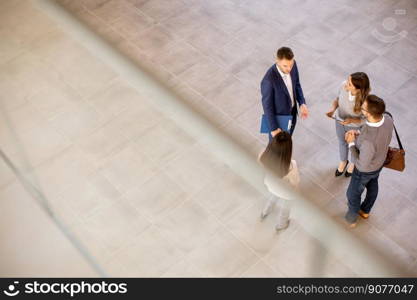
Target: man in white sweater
point(369, 149)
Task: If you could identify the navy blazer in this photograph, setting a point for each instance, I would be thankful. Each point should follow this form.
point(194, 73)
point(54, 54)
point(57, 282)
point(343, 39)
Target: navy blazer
point(275, 97)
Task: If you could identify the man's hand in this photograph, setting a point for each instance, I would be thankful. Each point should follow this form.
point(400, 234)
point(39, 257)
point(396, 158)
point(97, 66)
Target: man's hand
point(304, 111)
point(350, 136)
point(275, 132)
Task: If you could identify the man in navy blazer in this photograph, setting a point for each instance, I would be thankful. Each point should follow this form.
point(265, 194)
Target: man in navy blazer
point(281, 90)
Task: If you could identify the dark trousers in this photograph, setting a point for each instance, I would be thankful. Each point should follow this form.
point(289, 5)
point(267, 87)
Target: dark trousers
point(358, 182)
point(294, 113)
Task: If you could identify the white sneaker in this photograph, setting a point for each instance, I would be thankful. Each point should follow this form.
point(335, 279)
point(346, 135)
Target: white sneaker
point(279, 227)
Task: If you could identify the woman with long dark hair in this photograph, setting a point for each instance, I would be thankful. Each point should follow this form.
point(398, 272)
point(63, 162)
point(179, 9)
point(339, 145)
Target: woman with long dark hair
point(347, 106)
point(277, 162)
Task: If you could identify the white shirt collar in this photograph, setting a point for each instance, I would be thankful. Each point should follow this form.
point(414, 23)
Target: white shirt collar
point(351, 97)
point(280, 72)
point(377, 124)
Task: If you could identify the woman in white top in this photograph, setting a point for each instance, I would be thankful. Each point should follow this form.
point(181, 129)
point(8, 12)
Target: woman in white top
point(347, 106)
point(278, 164)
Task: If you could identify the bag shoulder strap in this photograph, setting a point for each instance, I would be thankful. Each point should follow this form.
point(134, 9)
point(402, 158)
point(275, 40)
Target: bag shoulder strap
point(396, 133)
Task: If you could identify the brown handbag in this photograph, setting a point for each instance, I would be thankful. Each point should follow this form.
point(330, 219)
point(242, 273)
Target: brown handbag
point(396, 156)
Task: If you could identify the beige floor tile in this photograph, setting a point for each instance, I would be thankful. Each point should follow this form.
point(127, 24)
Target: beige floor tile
point(163, 142)
point(99, 26)
point(22, 119)
point(179, 57)
point(251, 119)
point(314, 190)
point(300, 256)
point(234, 98)
point(259, 234)
point(6, 175)
point(77, 120)
point(92, 4)
point(86, 198)
point(385, 72)
point(116, 98)
point(193, 169)
point(37, 144)
point(21, 78)
point(128, 169)
point(403, 182)
point(207, 42)
point(401, 230)
point(186, 23)
point(63, 170)
point(134, 123)
point(149, 255)
point(9, 49)
point(222, 256)
point(320, 77)
point(116, 225)
point(141, 58)
point(321, 169)
point(76, 65)
point(6, 100)
point(390, 204)
point(227, 195)
point(253, 144)
point(204, 76)
point(55, 99)
point(28, 233)
point(159, 10)
point(132, 24)
point(261, 270)
point(182, 269)
point(189, 225)
point(111, 10)
point(349, 56)
point(206, 109)
point(91, 242)
point(156, 197)
point(405, 101)
point(317, 121)
point(384, 242)
point(252, 69)
point(102, 143)
point(73, 6)
point(154, 41)
point(357, 19)
point(35, 24)
point(329, 36)
point(303, 139)
point(228, 19)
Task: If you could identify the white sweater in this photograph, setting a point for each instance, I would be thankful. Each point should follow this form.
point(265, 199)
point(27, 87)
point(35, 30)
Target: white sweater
point(274, 186)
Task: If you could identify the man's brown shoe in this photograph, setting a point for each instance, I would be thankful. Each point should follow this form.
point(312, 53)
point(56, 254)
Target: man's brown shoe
point(363, 214)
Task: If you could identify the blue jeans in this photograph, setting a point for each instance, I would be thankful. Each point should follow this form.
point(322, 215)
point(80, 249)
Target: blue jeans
point(358, 182)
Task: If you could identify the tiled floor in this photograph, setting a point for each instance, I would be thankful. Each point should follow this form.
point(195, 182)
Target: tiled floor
point(145, 206)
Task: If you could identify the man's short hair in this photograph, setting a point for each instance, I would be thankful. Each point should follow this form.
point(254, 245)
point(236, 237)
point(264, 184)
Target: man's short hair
point(285, 53)
point(376, 106)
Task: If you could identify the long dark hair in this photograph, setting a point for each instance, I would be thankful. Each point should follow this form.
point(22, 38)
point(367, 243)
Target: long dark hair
point(361, 82)
point(278, 153)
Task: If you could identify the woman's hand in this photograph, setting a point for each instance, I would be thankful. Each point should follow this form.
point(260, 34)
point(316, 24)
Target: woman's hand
point(348, 121)
point(330, 114)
